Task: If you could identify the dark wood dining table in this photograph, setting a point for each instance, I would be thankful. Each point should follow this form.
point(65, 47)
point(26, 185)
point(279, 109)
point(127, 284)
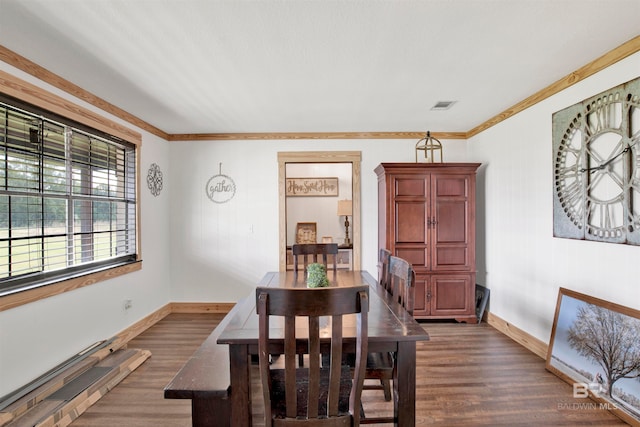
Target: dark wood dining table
point(391, 328)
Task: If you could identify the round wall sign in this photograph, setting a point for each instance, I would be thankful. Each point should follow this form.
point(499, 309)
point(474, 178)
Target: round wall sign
point(220, 188)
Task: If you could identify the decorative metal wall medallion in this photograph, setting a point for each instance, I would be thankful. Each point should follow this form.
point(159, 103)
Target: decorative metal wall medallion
point(220, 188)
point(154, 179)
point(596, 167)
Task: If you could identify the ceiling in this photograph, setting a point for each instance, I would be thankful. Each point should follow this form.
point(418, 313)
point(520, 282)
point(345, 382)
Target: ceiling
point(237, 66)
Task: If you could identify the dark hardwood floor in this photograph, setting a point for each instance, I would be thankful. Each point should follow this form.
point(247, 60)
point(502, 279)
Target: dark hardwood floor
point(467, 376)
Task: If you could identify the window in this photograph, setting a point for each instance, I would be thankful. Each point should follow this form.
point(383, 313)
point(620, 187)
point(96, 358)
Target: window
point(67, 198)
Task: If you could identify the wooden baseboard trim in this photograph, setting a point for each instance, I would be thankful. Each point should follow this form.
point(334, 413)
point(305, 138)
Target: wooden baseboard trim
point(201, 307)
point(127, 334)
point(518, 335)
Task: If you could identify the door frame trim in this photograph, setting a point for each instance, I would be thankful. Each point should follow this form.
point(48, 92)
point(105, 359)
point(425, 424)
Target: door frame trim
point(353, 157)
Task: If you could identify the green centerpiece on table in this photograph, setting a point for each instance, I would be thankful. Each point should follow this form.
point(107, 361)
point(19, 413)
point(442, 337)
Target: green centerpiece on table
point(317, 276)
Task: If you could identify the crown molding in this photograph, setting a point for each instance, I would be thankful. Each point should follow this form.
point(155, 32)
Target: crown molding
point(29, 67)
point(626, 49)
point(312, 135)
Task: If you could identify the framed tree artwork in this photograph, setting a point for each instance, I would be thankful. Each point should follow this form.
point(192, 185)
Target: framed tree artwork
point(595, 347)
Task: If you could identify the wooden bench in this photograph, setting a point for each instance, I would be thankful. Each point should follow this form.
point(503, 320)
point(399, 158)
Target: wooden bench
point(205, 379)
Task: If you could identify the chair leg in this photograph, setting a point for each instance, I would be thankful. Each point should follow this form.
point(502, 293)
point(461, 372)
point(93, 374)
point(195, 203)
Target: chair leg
point(386, 386)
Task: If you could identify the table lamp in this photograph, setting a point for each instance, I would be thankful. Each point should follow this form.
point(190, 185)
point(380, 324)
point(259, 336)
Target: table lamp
point(345, 209)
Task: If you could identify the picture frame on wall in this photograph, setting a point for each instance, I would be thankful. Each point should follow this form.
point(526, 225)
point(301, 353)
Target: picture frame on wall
point(594, 346)
point(306, 233)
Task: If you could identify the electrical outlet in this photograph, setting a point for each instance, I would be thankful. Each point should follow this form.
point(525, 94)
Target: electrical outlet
point(127, 304)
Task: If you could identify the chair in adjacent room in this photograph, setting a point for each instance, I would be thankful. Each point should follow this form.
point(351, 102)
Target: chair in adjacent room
point(322, 394)
point(310, 253)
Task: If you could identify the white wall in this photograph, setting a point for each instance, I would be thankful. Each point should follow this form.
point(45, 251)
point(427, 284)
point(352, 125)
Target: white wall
point(37, 336)
point(519, 259)
point(220, 251)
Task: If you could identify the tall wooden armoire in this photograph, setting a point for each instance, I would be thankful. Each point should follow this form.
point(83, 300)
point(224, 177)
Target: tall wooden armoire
point(426, 215)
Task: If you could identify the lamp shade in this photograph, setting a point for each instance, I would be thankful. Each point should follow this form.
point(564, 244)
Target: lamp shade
point(344, 207)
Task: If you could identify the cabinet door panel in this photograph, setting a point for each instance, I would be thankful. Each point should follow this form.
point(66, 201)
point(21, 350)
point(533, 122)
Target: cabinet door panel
point(421, 297)
point(451, 258)
point(451, 221)
point(417, 257)
point(410, 222)
point(451, 295)
point(452, 232)
point(410, 187)
point(447, 186)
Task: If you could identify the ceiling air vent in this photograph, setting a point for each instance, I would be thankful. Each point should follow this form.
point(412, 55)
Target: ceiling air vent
point(443, 105)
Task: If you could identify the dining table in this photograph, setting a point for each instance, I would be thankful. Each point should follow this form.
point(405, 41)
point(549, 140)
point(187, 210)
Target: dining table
point(391, 329)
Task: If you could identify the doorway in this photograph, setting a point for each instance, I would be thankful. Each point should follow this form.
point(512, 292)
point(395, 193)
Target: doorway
point(352, 157)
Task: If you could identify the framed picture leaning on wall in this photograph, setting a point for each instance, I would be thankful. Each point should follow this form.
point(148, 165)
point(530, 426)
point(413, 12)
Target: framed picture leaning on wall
point(595, 347)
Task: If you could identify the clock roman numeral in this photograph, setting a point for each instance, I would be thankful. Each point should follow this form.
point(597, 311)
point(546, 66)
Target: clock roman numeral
point(606, 214)
point(604, 113)
point(605, 219)
point(572, 194)
point(568, 172)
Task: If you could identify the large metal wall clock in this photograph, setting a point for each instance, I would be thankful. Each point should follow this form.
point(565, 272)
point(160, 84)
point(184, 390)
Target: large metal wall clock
point(596, 167)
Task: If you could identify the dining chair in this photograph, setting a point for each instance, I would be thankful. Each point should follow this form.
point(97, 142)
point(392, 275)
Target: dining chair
point(383, 268)
point(401, 279)
point(402, 282)
point(311, 251)
point(380, 365)
point(318, 394)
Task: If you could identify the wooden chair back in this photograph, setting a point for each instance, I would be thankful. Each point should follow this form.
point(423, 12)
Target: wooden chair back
point(310, 253)
point(312, 393)
point(383, 268)
point(402, 282)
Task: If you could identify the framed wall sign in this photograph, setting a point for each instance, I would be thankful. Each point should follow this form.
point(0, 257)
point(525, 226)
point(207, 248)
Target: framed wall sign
point(311, 186)
point(596, 167)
